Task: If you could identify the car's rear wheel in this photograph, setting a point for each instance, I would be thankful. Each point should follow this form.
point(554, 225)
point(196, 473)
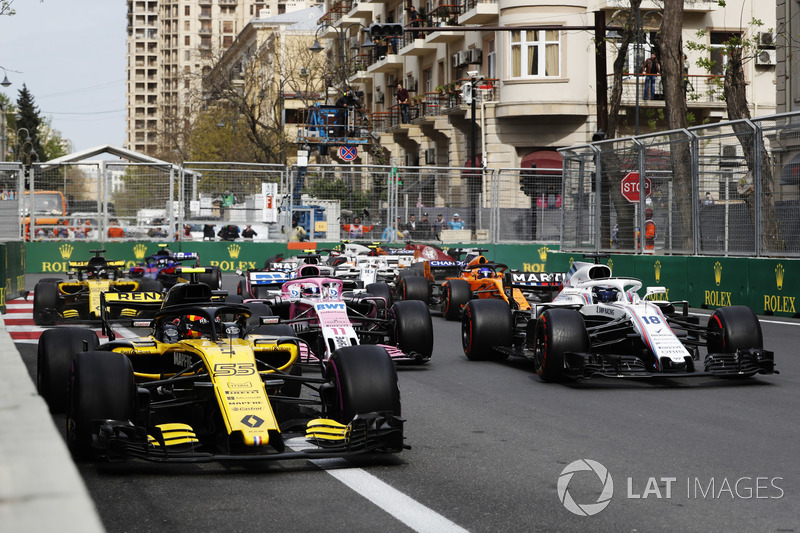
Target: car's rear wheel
point(455, 295)
point(101, 388)
point(233, 299)
point(415, 288)
point(484, 325)
point(413, 328)
point(56, 351)
point(381, 290)
point(213, 279)
point(558, 331)
point(366, 381)
point(45, 303)
point(734, 328)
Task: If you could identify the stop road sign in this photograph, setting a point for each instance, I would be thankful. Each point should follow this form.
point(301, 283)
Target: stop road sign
point(629, 187)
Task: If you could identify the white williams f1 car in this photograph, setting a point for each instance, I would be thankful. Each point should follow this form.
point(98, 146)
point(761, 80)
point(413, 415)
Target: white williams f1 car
point(599, 326)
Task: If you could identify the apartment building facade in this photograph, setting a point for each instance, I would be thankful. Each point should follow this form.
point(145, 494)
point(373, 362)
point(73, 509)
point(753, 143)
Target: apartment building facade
point(535, 89)
point(170, 44)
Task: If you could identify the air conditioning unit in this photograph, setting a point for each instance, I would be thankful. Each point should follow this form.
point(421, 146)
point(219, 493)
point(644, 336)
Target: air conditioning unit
point(378, 96)
point(304, 71)
point(464, 57)
point(766, 57)
point(766, 39)
point(411, 84)
point(455, 60)
point(430, 156)
point(475, 56)
point(728, 156)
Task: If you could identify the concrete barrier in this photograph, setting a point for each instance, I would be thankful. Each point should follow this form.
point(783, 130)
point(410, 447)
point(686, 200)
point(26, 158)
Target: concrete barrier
point(40, 487)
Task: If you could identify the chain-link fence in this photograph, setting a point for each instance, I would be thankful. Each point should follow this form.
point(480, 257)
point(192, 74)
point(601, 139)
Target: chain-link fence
point(723, 189)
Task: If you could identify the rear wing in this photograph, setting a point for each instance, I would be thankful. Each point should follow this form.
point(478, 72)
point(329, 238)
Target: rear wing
point(84, 264)
point(126, 300)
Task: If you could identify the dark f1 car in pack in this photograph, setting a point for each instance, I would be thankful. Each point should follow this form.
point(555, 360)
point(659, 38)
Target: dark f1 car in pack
point(158, 271)
point(599, 326)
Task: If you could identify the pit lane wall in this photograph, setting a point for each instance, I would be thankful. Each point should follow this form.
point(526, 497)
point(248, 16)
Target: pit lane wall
point(768, 286)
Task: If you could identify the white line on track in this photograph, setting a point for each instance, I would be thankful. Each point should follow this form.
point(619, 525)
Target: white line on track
point(404, 508)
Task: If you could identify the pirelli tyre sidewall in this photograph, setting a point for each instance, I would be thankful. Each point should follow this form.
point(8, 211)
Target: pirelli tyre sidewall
point(56, 351)
point(413, 328)
point(455, 295)
point(415, 288)
point(486, 324)
point(257, 309)
point(102, 387)
point(150, 285)
point(366, 381)
point(734, 328)
point(45, 303)
point(558, 331)
point(213, 279)
point(381, 290)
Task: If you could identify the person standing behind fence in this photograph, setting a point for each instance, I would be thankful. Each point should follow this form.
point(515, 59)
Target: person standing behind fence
point(438, 225)
point(115, 231)
point(249, 232)
point(456, 223)
point(208, 232)
point(651, 69)
point(401, 96)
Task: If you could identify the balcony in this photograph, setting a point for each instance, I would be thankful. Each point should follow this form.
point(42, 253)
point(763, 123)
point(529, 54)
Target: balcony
point(693, 6)
point(362, 10)
point(701, 91)
point(480, 12)
point(414, 44)
point(384, 58)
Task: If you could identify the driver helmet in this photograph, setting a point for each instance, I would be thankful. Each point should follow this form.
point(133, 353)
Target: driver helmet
point(195, 326)
point(311, 291)
point(604, 294)
point(484, 272)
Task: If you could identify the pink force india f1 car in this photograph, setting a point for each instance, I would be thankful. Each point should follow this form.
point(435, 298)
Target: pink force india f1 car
point(599, 326)
point(319, 310)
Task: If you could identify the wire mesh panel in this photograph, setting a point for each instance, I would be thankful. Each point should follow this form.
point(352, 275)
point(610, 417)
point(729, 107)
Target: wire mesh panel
point(11, 183)
point(725, 166)
point(579, 206)
point(140, 200)
point(230, 201)
point(529, 205)
point(780, 191)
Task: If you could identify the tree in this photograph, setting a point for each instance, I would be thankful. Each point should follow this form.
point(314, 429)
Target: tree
point(30, 120)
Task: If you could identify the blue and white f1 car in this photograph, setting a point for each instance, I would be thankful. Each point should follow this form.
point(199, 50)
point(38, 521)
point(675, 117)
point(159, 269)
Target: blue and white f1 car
point(599, 326)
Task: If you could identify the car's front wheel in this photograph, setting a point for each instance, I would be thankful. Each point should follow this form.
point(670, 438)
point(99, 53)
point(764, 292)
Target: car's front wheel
point(45, 303)
point(56, 351)
point(455, 295)
point(413, 328)
point(734, 328)
point(102, 387)
point(558, 331)
point(366, 382)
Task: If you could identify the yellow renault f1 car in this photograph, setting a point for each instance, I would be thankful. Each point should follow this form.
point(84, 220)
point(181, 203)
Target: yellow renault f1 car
point(78, 297)
point(206, 386)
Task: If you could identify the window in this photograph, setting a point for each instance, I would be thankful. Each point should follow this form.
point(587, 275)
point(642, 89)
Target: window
point(186, 41)
point(187, 26)
point(227, 26)
point(719, 42)
point(187, 10)
point(491, 60)
point(227, 40)
point(535, 53)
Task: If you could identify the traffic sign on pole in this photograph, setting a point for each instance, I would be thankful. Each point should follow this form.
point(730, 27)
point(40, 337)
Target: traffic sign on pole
point(629, 187)
point(348, 153)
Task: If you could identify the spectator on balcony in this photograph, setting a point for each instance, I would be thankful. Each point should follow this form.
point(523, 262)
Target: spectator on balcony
point(415, 20)
point(380, 48)
point(651, 69)
point(401, 96)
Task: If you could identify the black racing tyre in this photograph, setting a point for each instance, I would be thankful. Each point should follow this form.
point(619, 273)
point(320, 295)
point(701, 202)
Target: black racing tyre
point(150, 285)
point(413, 328)
point(484, 325)
point(455, 295)
point(233, 299)
point(45, 303)
point(101, 388)
point(56, 351)
point(213, 279)
point(734, 328)
point(381, 290)
point(366, 382)
point(558, 331)
point(257, 309)
point(50, 280)
point(415, 288)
